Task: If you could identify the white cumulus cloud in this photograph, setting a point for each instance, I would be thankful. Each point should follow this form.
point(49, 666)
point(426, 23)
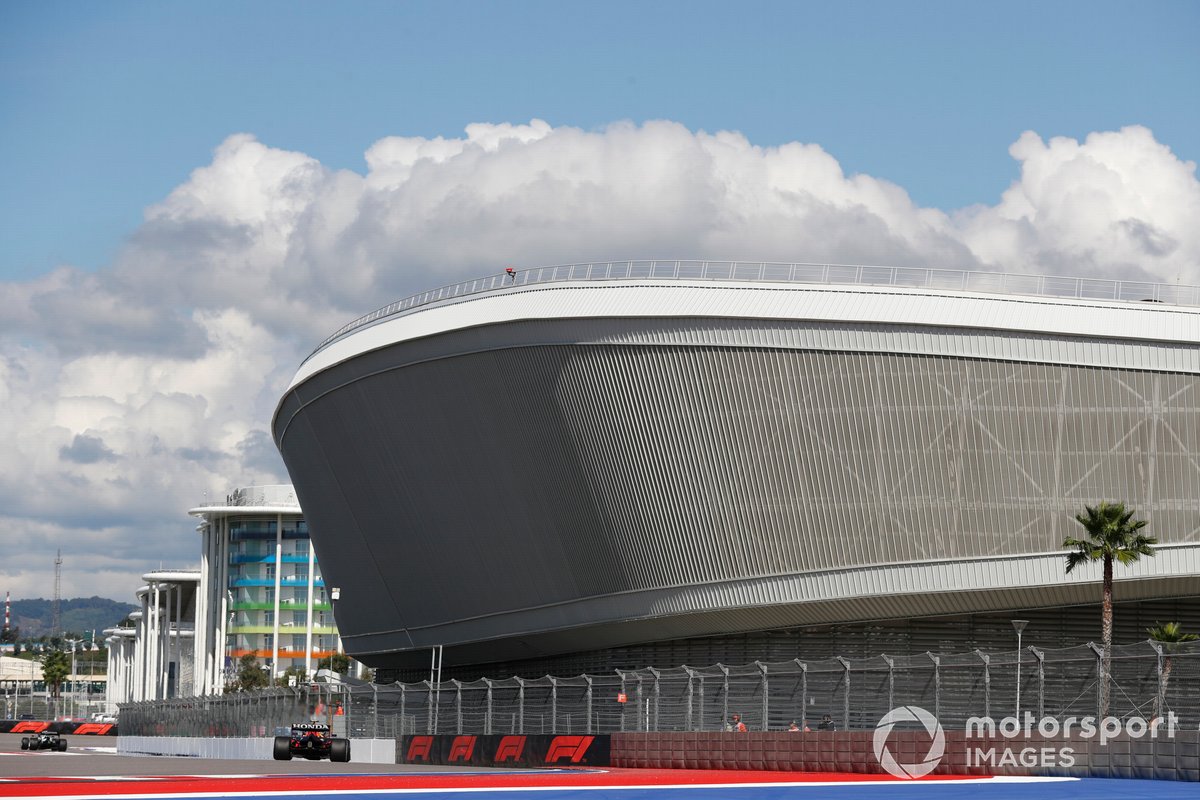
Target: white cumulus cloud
point(132, 391)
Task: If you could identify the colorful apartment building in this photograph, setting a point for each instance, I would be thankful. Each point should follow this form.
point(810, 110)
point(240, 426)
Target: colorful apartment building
point(261, 586)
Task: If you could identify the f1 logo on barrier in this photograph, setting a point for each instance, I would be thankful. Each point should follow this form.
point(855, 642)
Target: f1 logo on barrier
point(420, 747)
point(461, 749)
point(29, 727)
point(574, 746)
point(510, 749)
point(93, 728)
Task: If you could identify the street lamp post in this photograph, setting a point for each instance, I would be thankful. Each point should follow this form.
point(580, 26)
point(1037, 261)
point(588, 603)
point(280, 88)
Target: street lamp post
point(335, 594)
point(1019, 626)
point(73, 688)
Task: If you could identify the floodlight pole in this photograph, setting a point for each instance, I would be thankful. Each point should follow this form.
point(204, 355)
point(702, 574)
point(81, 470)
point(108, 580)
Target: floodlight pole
point(1019, 626)
point(335, 594)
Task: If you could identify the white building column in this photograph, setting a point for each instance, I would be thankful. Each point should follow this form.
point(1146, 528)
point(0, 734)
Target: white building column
point(278, 591)
point(141, 650)
point(154, 650)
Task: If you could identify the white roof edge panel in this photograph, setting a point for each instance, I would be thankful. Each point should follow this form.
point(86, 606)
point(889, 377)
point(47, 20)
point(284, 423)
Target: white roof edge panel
point(838, 304)
point(231, 510)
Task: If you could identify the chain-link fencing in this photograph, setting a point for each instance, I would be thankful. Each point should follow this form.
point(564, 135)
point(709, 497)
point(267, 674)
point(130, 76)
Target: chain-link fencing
point(1148, 679)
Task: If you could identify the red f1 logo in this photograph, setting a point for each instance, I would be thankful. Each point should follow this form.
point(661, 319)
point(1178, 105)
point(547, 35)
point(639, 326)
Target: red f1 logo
point(30, 727)
point(510, 749)
point(419, 747)
point(574, 746)
point(94, 728)
point(462, 748)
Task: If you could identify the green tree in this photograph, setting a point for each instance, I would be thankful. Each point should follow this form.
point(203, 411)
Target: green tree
point(1113, 535)
point(56, 667)
point(250, 675)
point(10, 635)
point(285, 678)
point(340, 663)
point(1170, 635)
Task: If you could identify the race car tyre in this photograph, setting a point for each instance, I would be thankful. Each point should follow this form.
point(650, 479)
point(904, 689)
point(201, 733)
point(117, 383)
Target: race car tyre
point(62, 745)
point(24, 742)
point(283, 751)
point(339, 750)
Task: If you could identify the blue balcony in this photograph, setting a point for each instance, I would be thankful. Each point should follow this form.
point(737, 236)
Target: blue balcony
point(238, 582)
point(266, 558)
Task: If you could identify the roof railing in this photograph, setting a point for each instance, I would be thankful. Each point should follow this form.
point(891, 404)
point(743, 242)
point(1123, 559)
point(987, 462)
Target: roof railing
point(800, 273)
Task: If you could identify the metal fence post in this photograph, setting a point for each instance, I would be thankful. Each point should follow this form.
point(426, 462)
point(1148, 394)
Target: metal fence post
point(845, 695)
point(588, 695)
point(652, 712)
point(553, 704)
point(803, 693)
point(1041, 658)
point(429, 707)
point(687, 714)
point(763, 683)
point(374, 711)
point(403, 698)
point(937, 685)
point(724, 694)
point(1160, 697)
point(487, 717)
point(521, 708)
point(891, 703)
point(625, 694)
point(987, 682)
point(641, 709)
point(1099, 651)
point(458, 728)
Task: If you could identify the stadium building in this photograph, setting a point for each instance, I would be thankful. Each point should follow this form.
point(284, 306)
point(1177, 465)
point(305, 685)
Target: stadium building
point(578, 468)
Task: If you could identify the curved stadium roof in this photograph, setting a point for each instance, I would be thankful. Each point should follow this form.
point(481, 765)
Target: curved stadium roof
point(548, 463)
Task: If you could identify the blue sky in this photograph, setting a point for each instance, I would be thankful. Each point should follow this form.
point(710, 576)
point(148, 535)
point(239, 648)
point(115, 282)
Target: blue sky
point(194, 194)
point(105, 107)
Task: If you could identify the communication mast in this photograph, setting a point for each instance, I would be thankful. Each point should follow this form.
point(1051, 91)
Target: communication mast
point(56, 625)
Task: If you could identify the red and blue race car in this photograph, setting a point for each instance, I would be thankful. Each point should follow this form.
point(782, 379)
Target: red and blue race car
point(311, 740)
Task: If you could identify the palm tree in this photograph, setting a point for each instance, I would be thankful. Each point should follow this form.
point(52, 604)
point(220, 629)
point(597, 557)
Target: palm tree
point(56, 667)
point(1112, 535)
point(1170, 635)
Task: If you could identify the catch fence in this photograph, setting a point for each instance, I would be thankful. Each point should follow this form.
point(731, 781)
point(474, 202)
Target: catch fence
point(1148, 679)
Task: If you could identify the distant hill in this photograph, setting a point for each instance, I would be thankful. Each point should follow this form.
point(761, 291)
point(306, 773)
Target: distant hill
point(79, 615)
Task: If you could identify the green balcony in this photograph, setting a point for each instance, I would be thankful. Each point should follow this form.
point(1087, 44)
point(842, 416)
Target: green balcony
point(283, 629)
point(284, 605)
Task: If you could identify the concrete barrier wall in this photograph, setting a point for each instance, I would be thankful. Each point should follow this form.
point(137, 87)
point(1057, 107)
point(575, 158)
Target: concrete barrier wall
point(1176, 758)
point(365, 751)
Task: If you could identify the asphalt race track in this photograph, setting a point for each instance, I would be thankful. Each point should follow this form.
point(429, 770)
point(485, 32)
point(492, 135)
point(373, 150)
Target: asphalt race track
point(91, 769)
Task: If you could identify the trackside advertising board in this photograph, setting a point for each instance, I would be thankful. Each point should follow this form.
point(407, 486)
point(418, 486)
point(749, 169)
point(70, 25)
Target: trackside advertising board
point(32, 726)
point(516, 750)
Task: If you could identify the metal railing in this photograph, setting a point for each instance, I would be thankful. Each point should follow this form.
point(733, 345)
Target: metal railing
point(801, 273)
point(1148, 680)
point(271, 495)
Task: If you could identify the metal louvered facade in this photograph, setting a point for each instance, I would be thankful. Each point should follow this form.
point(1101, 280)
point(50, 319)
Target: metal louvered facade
point(539, 470)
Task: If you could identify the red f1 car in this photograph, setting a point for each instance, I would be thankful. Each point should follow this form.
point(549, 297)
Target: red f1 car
point(311, 740)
